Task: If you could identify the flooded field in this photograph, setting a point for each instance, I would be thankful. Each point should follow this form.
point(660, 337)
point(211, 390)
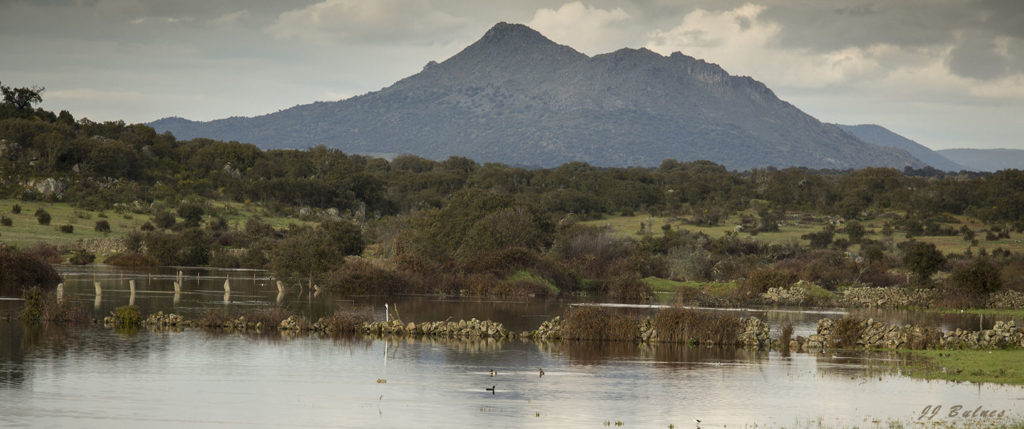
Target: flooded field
point(94, 377)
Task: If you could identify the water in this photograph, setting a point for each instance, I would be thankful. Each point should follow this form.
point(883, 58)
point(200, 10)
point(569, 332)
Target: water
point(92, 377)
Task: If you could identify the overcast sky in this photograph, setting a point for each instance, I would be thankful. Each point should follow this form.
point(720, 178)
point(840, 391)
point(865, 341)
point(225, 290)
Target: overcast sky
point(944, 73)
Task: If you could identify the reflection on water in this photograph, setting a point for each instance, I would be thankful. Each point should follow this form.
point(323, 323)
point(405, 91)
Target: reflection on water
point(73, 377)
point(88, 376)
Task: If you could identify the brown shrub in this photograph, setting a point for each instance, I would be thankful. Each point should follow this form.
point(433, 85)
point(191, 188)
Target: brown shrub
point(786, 336)
point(760, 281)
point(596, 323)
point(131, 260)
point(18, 271)
point(362, 277)
point(270, 317)
point(681, 325)
point(213, 318)
point(348, 320)
point(622, 289)
point(44, 252)
point(848, 331)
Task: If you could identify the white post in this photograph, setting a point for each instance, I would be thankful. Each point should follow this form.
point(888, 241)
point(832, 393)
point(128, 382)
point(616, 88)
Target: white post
point(99, 290)
point(177, 287)
point(60, 291)
point(131, 296)
point(387, 315)
point(280, 288)
point(227, 285)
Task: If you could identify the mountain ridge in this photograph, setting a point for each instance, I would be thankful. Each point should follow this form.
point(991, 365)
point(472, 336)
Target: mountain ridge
point(516, 97)
point(881, 136)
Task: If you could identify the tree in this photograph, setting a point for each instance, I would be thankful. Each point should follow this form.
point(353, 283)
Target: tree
point(191, 212)
point(855, 231)
point(923, 260)
point(22, 98)
point(978, 277)
point(309, 253)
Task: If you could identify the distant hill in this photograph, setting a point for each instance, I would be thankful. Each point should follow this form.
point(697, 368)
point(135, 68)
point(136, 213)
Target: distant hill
point(518, 98)
point(878, 135)
point(986, 159)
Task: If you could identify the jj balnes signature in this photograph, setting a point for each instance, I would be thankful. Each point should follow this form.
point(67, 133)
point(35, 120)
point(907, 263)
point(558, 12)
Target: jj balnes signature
point(939, 412)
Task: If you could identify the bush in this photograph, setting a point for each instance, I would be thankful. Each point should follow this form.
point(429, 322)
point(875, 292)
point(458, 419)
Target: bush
point(18, 271)
point(67, 229)
point(127, 316)
point(147, 227)
point(347, 320)
point(44, 252)
point(848, 331)
point(131, 260)
point(923, 260)
point(760, 281)
point(33, 311)
point(623, 288)
point(596, 323)
point(82, 257)
point(362, 277)
point(163, 219)
point(978, 277)
point(5, 221)
point(697, 327)
point(102, 226)
point(786, 336)
point(43, 217)
point(271, 318)
point(16, 209)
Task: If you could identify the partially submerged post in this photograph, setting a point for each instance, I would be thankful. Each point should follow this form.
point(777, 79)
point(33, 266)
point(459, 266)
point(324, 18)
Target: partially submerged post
point(227, 285)
point(179, 277)
point(60, 291)
point(131, 288)
point(177, 288)
point(280, 288)
point(99, 290)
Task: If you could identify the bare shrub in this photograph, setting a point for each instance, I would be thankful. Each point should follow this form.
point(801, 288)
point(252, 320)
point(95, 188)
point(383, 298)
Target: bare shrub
point(596, 323)
point(681, 325)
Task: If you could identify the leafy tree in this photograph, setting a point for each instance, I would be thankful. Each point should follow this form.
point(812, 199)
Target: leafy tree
point(22, 98)
point(855, 231)
point(310, 253)
point(163, 219)
point(192, 213)
point(43, 217)
point(978, 277)
point(923, 260)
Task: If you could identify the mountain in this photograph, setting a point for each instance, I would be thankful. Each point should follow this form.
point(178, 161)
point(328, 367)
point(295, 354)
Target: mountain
point(987, 159)
point(516, 97)
point(878, 135)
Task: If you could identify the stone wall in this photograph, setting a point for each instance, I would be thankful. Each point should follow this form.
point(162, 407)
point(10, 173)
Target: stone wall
point(878, 335)
point(886, 297)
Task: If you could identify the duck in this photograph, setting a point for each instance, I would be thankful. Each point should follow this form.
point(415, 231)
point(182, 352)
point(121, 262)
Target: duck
point(493, 373)
point(541, 372)
point(490, 389)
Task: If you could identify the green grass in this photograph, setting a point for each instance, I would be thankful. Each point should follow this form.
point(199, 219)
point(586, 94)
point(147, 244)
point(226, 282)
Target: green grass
point(660, 285)
point(793, 229)
point(976, 366)
point(530, 276)
point(26, 231)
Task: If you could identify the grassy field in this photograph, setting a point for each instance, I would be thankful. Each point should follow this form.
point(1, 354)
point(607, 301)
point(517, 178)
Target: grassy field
point(977, 366)
point(795, 227)
point(25, 229)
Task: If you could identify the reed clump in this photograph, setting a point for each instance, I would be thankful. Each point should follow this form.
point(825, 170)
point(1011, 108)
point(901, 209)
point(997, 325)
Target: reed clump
point(345, 320)
point(682, 325)
point(596, 323)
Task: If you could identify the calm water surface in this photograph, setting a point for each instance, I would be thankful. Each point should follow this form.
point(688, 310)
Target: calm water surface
point(93, 377)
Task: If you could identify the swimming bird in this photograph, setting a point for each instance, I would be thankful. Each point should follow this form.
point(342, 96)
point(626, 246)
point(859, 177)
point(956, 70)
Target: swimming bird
point(541, 372)
point(490, 389)
point(493, 373)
